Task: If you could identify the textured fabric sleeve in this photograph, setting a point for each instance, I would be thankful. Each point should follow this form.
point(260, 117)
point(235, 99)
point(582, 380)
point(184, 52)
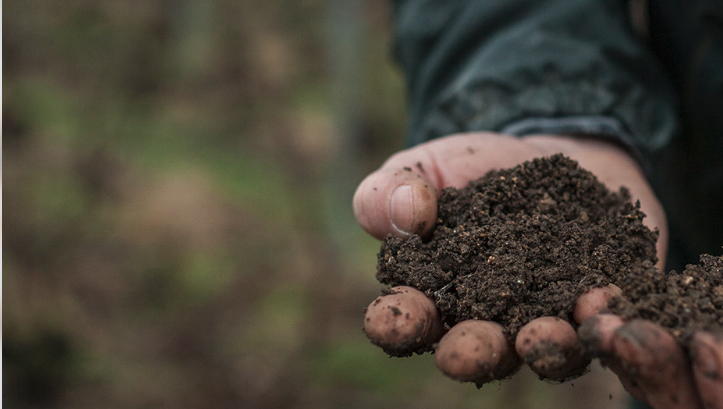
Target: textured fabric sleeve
point(522, 66)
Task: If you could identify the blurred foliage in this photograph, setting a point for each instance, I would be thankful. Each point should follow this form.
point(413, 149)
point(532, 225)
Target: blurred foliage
point(166, 234)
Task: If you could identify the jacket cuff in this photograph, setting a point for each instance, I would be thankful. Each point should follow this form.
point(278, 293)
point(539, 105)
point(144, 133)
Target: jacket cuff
point(600, 127)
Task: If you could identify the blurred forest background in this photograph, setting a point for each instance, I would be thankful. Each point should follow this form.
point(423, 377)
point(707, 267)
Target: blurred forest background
point(177, 210)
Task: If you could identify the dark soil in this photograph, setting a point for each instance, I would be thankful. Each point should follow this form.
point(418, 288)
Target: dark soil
point(522, 243)
point(682, 302)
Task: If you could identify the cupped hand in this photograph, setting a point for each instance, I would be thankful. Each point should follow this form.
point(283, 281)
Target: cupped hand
point(400, 198)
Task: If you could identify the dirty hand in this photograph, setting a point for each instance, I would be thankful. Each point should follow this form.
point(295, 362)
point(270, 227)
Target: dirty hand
point(401, 199)
point(654, 368)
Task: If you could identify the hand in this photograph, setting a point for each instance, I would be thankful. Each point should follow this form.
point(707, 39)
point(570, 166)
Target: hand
point(654, 368)
point(400, 202)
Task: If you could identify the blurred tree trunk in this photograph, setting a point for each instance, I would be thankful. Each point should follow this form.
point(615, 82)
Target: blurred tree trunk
point(342, 174)
point(191, 42)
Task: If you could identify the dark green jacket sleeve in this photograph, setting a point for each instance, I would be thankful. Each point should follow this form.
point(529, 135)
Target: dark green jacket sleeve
point(577, 67)
point(522, 67)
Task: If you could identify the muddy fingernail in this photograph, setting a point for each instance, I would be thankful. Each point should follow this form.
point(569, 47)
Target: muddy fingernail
point(596, 334)
point(628, 347)
point(402, 209)
point(705, 360)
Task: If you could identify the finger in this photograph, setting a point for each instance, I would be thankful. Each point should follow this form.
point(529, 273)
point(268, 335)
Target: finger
point(650, 356)
point(396, 201)
point(402, 321)
point(549, 345)
point(594, 301)
point(627, 379)
point(476, 351)
point(596, 336)
point(596, 333)
point(707, 353)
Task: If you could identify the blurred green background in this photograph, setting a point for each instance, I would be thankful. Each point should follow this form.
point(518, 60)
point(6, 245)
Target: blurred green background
point(177, 220)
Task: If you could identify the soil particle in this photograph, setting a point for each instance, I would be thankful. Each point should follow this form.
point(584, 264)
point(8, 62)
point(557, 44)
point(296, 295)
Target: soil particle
point(522, 243)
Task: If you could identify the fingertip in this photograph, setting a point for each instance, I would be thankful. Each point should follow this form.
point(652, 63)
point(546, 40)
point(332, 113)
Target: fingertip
point(366, 211)
point(658, 363)
point(550, 346)
point(475, 351)
point(545, 329)
point(596, 333)
point(396, 201)
point(594, 301)
point(707, 356)
point(628, 345)
point(402, 321)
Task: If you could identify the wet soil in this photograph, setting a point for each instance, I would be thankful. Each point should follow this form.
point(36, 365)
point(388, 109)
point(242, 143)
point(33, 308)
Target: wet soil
point(522, 243)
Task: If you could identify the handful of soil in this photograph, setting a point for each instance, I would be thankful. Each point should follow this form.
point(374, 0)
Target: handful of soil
point(522, 243)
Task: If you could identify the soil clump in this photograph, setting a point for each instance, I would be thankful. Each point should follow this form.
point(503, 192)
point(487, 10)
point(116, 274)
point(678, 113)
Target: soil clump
point(681, 302)
point(523, 243)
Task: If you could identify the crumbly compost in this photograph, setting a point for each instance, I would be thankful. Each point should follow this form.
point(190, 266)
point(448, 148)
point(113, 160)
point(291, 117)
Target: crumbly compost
point(521, 243)
point(682, 302)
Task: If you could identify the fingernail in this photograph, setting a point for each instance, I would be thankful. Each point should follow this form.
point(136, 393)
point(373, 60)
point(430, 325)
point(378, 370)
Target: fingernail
point(705, 360)
point(629, 348)
point(589, 335)
point(402, 209)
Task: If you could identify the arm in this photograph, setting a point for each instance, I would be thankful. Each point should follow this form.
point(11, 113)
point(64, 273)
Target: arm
point(529, 69)
point(532, 67)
